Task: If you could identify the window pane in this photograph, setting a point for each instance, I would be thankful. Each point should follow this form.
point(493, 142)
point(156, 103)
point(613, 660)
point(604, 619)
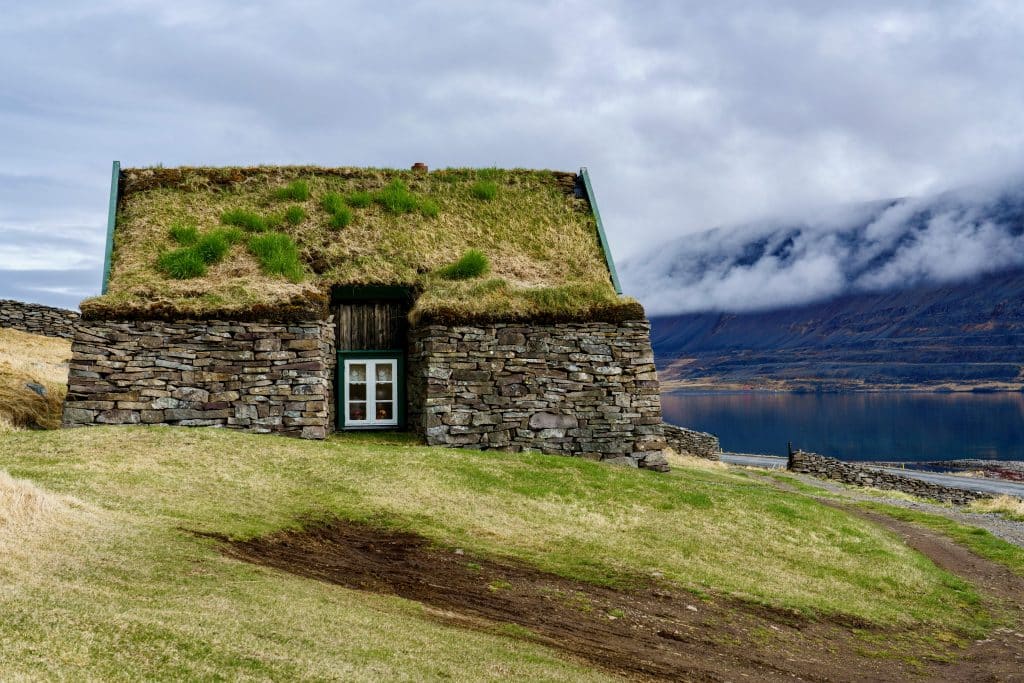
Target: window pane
point(357, 411)
point(357, 372)
point(384, 411)
point(384, 372)
point(357, 392)
point(384, 392)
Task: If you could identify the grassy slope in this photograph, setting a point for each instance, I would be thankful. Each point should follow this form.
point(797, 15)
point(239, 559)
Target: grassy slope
point(541, 242)
point(118, 584)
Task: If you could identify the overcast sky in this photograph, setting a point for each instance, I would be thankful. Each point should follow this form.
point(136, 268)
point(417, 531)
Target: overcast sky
point(689, 115)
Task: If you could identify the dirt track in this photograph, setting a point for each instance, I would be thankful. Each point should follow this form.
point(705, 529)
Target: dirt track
point(650, 633)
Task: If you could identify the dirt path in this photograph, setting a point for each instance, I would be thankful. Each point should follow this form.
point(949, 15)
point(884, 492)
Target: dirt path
point(1001, 656)
point(651, 633)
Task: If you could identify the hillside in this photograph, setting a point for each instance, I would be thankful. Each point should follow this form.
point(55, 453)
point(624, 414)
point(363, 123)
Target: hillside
point(194, 553)
point(954, 336)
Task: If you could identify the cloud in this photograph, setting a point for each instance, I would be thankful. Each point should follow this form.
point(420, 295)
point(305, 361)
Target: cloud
point(879, 246)
point(688, 114)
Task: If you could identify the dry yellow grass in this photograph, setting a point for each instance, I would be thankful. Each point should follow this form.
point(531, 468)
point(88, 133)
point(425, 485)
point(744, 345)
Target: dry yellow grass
point(26, 358)
point(535, 233)
point(685, 460)
point(1006, 505)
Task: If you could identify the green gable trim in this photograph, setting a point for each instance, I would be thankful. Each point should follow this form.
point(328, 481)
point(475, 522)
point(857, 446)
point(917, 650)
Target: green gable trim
point(600, 229)
point(115, 178)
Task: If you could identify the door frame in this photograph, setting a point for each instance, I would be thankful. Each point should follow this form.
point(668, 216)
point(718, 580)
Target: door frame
point(399, 388)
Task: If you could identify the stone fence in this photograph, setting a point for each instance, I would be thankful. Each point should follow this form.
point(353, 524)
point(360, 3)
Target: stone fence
point(38, 319)
point(861, 475)
point(700, 444)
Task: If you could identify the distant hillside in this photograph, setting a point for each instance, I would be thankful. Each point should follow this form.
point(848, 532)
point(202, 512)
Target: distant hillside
point(964, 335)
point(922, 291)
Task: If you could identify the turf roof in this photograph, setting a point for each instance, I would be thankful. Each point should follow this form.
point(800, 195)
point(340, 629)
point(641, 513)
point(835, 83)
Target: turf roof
point(541, 241)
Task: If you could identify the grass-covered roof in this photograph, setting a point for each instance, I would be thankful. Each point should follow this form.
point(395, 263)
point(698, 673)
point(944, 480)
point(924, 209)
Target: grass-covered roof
point(270, 242)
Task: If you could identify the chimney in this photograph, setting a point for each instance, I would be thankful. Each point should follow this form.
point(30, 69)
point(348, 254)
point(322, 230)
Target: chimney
point(419, 167)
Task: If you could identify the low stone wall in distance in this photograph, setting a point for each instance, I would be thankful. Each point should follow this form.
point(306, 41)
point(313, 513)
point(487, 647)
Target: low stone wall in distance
point(38, 319)
point(578, 389)
point(861, 475)
point(245, 375)
point(700, 444)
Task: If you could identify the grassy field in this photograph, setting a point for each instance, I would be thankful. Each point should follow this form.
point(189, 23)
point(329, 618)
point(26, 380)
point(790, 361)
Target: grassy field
point(101, 571)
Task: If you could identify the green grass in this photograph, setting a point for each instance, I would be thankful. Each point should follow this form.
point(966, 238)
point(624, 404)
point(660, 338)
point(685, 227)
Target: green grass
point(119, 586)
point(429, 208)
point(247, 220)
point(341, 218)
point(213, 246)
point(359, 199)
point(474, 263)
point(296, 191)
point(294, 215)
point(277, 254)
point(332, 202)
point(185, 234)
point(485, 190)
point(182, 264)
point(396, 198)
point(977, 540)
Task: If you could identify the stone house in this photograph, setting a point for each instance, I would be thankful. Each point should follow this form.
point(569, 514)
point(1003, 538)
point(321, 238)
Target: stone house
point(477, 307)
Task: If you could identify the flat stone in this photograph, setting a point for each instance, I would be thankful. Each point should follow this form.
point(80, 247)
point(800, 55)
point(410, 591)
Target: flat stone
point(553, 421)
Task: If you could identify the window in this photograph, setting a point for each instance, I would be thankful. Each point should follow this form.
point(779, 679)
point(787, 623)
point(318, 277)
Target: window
point(370, 398)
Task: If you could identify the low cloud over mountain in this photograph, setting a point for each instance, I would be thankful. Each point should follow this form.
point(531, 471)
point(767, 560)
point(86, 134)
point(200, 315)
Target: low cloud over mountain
point(881, 246)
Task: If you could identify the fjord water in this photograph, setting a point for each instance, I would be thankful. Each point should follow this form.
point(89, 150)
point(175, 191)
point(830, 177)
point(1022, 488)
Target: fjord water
point(858, 426)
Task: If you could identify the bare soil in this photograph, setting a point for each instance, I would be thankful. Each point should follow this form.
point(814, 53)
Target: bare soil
point(653, 632)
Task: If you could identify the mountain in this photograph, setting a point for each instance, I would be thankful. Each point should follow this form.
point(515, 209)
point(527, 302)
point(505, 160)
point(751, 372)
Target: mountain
point(966, 335)
point(925, 293)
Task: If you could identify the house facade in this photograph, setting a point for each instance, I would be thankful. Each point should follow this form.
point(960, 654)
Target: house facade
point(515, 359)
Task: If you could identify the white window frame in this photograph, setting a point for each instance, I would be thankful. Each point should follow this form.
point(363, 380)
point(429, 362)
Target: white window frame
point(371, 392)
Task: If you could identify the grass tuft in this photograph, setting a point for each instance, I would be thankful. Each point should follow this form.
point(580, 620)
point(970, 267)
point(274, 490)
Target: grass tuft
point(182, 264)
point(341, 218)
point(296, 191)
point(332, 202)
point(277, 254)
point(246, 220)
point(213, 247)
point(429, 208)
point(294, 215)
point(396, 198)
point(473, 263)
point(185, 234)
point(485, 190)
point(359, 199)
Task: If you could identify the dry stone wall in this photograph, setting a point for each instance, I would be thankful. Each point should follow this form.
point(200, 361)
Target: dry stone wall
point(245, 375)
point(861, 475)
point(700, 444)
point(579, 389)
point(38, 319)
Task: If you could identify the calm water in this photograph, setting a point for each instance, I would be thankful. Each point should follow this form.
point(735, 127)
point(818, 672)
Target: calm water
point(880, 426)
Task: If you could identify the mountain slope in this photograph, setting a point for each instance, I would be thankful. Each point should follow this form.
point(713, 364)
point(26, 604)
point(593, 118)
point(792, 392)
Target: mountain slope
point(966, 334)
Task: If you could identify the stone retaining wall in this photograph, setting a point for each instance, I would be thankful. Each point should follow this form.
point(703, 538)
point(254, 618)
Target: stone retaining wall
point(245, 375)
point(579, 389)
point(38, 319)
point(700, 444)
point(861, 475)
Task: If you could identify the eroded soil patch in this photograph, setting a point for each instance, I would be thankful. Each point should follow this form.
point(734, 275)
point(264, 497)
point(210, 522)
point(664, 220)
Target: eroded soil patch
point(652, 633)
